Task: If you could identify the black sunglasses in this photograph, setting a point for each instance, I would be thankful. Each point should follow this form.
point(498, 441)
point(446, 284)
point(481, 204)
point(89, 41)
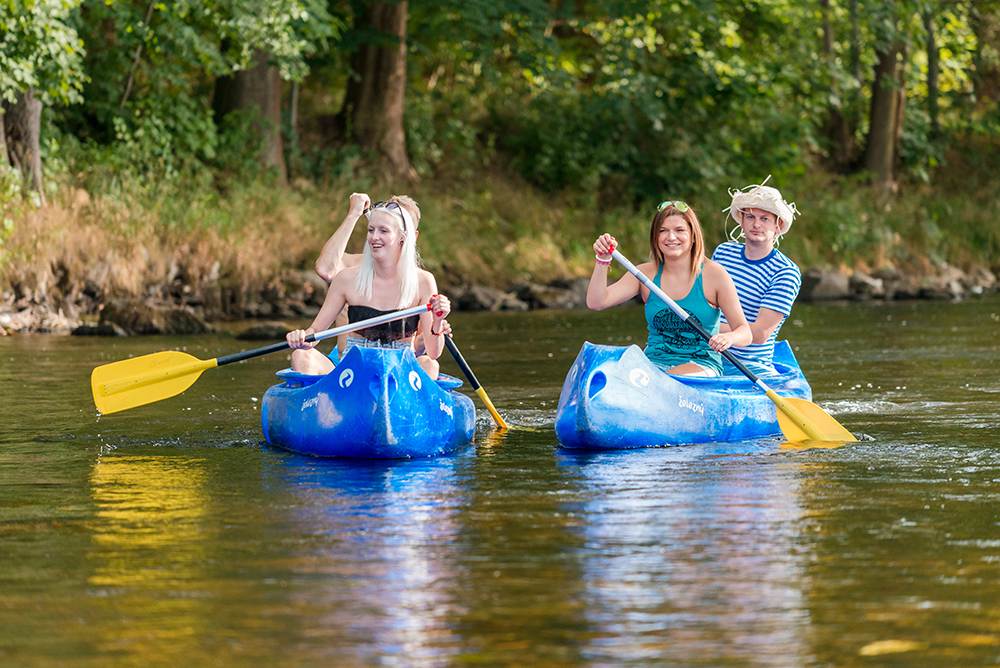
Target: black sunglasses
point(387, 206)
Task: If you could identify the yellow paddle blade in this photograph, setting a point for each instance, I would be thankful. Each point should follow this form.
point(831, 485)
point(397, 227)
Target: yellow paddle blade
point(491, 408)
point(802, 420)
point(119, 386)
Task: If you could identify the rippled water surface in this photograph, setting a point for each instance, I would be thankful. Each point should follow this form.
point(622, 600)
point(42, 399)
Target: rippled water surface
point(170, 534)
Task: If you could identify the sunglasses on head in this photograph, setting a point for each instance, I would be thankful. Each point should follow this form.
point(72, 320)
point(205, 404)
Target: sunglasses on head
point(677, 204)
point(387, 206)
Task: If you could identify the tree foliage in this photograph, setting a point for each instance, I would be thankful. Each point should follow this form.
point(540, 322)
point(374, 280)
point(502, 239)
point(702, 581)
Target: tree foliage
point(624, 98)
point(40, 50)
point(157, 62)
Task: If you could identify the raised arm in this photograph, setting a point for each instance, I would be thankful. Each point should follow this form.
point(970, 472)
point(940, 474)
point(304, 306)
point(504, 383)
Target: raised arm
point(334, 257)
point(600, 295)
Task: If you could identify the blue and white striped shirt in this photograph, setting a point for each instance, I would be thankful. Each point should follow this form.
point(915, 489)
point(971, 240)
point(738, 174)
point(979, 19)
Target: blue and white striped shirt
point(772, 282)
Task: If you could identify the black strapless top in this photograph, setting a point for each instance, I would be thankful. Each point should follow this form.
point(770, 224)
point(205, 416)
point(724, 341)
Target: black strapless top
point(386, 332)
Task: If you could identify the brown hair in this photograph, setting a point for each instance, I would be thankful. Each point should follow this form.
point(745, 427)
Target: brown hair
point(697, 238)
point(410, 205)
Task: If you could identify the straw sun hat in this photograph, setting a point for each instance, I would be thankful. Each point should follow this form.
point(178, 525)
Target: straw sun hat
point(764, 197)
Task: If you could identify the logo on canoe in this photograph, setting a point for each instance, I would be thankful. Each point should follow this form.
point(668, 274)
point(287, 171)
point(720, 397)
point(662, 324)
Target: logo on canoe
point(346, 378)
point(691, 406)
point(638, 377)
point(415, 381)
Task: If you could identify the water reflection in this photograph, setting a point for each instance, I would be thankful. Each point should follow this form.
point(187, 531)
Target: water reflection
point(148, 556)
point(520, 583)
point(693, 550)
point(379, 556)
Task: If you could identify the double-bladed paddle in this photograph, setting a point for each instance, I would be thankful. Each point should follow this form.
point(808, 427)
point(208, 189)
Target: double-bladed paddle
point(800, 420)
point(126, 384)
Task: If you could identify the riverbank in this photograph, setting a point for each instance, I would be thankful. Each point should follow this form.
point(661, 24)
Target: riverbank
point(178, 257)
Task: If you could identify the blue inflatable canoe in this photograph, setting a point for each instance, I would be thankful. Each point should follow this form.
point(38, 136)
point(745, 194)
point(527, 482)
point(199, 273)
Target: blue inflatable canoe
point(615, 398)
point(376, 403)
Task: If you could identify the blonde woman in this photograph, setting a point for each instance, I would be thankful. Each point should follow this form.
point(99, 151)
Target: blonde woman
point(387, 278)
point(700, 286)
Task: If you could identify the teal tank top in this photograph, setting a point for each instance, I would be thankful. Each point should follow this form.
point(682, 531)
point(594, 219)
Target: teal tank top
point(671, 341)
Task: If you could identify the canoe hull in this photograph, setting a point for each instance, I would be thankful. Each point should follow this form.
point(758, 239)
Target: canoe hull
point(615, 398)
point(376, 403)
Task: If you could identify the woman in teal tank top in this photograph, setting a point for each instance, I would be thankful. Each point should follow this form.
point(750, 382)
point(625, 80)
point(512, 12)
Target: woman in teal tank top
point(700, 286)
point(671, 341)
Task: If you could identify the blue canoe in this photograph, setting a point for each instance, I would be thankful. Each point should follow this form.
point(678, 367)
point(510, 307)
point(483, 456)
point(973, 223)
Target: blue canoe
point(615, 398)
point(376, 403)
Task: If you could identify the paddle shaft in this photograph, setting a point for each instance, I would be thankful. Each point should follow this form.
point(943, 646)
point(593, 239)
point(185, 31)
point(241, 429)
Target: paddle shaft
point(462, 364)
point(476, 387)
point(323, 335)
point(686, 317)
point(142, 380)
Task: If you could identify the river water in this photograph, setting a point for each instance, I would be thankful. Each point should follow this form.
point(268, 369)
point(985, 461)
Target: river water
point(171, 534)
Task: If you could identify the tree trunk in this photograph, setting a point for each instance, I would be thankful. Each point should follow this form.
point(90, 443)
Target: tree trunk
point(900, 101)
point(933, 68)
point(257, 91)
point(374, 103)
point(986, 58)
point(880, 155)
point(837, 128)
point(23, 122)
point(855, 41)
point(292, 146)
point(137, 56)
point(4, 160)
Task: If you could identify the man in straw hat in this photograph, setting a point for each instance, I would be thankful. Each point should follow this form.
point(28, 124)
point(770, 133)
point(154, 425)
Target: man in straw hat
point(767, 281)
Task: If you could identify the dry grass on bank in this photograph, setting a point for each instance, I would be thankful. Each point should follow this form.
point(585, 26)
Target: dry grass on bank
point(493, 229)
point(96, 245)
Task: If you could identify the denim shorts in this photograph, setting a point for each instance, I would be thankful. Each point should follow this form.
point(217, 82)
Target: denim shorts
point(362, 342)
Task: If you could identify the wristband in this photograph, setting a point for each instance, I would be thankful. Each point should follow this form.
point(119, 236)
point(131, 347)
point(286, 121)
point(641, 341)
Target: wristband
point(435, 333)
point(602, 261)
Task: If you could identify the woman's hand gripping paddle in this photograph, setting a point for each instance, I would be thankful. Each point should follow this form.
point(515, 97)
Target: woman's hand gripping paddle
point(479, 389)
point(800, 420)
point(126, 384)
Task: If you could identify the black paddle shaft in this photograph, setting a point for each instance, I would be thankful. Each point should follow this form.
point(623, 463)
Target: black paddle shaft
point(457, 354)
point(698, 327)
point(256, 352)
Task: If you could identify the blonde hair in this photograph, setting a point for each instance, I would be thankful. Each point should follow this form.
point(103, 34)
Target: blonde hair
point(697, 238)
point(410, 205)
point(409, 258)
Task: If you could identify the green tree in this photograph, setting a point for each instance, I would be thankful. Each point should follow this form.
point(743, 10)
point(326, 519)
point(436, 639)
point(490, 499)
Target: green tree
point(375, 99)
point(40, 64)
point(159, 64)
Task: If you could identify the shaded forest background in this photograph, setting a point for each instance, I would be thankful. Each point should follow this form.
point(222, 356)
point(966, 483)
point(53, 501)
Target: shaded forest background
point(146, 144)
